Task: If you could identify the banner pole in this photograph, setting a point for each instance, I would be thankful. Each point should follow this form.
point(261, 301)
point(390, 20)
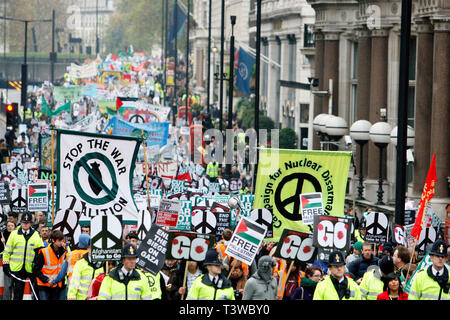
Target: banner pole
point(146, 171)
point(53, 176)
point(185, 278)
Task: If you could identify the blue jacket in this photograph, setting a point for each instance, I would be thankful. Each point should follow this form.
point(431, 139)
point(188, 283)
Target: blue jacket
point(358, 267)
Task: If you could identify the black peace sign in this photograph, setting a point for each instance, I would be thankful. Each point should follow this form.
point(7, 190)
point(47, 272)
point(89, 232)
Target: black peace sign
point(137, 118)
point(282, 204)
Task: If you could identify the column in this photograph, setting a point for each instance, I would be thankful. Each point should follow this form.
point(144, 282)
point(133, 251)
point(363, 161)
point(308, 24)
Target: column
point(284, 75)
point(331, 70)
point(424, 94)
point(272, 103)
point(318, 73)
point(378, 94)
point(363, 96)
point(440, 133)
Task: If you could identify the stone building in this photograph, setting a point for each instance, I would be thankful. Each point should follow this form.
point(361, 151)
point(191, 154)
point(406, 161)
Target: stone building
point(358, 47)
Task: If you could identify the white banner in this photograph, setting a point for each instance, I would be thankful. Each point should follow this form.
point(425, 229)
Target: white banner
point(96, 171)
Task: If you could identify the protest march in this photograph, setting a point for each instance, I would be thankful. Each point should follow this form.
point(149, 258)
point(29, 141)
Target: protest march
point(107, 194)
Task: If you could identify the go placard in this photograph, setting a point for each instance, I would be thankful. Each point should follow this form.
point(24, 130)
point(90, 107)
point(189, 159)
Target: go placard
point(331, 233)
point(296, 245)
point(189, 246)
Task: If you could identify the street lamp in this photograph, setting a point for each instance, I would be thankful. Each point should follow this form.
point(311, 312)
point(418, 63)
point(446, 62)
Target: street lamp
point(410, 137)
point(359, 131)
point(230, 93)
point(380, 135)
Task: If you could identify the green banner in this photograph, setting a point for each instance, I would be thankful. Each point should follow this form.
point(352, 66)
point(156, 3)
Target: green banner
point(68, 93)
point(285, 174)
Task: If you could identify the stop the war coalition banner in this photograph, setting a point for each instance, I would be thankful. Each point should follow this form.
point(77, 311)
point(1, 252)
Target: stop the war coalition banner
point(96, 172)
point(285, 174)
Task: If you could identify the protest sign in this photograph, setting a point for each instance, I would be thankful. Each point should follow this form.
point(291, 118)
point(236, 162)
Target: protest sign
point(153, 249)
point(376, 227)
point(331, 233)
point(311, 204)
point(5, 196)
point(38, 197)
point(184, 217)
point(296, 245)
point(245, 241)
point(67, 221)
point(263, 217)
point(168, 213)
point(189, 246)
point(19, 200)
point(106, 238)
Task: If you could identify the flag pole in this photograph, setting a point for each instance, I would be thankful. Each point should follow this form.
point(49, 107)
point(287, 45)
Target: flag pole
point(53, 175)
point(146, 170)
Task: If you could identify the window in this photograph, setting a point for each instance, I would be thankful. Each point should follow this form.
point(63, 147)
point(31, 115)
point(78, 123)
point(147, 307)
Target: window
point(292, 65)
point(411, 98)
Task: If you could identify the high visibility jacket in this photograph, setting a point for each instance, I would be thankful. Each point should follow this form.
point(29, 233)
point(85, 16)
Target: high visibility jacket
point(371, 286)
point(212, 170)
point(72, 259)
point(204, 289)
point(83, 274)
point(28, 113)
point(325, 290)
point(52, 266)
point(116, 286)
point(357, 235)
point(154, 284)
point(19, 250)
point(426, 288)
point(220, 248)
point(280, 274)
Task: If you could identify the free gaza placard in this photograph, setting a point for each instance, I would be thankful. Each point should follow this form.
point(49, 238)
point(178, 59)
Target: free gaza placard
point(96, 170)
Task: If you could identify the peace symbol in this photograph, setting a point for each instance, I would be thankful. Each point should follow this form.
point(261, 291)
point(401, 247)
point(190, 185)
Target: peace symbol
point(137, 118)
point(282, 204)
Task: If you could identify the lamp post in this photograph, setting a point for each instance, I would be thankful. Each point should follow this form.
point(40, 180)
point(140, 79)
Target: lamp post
point(335, 128)
point(208, 101)
point(230, 94)
point(380, 135)
point(321, 126)
point(359, 131)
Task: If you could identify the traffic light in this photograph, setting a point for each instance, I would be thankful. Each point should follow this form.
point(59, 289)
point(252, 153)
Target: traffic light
point(12, 115)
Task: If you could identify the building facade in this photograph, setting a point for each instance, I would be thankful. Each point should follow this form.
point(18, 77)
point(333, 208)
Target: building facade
point(358, 48)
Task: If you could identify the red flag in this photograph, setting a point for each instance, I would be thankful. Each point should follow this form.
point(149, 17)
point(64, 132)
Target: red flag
point(119, 103)
point(427, 194)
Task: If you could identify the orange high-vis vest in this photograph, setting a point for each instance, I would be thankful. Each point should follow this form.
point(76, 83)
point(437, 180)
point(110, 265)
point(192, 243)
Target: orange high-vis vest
point(72, 258)
point(281, 273)
point(52, 266)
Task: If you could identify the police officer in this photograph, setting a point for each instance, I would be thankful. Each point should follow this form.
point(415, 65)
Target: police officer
point(19, 254)
point(336, 286)
point(125, 282)
point(432, 283)
point(212, 171)
point(212, 285)
point(373, 280)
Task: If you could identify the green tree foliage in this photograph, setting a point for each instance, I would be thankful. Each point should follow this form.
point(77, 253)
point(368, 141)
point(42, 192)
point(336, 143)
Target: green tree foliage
point(137, 23)
point(287, 139)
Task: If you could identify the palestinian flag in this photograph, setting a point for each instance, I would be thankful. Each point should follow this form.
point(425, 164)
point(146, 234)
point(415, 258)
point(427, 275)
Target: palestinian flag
point(250, 231)
point(311, 200)
point(37, 190)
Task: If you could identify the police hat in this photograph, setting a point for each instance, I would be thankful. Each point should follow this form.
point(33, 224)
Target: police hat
point(439, 248)
point(336, 258)
point(129, 251)
point(212, 258)
point(362, 224)
point(27, 217)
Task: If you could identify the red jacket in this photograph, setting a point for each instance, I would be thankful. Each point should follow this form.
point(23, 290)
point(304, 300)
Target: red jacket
point(385, 296)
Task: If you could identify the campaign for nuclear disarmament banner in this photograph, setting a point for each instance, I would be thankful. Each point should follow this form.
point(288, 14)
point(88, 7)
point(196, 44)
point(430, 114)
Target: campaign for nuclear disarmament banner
point(285, 174)
point(96, 171)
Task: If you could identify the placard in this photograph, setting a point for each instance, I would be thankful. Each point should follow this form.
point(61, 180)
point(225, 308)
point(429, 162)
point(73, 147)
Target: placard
point(168, 213)
point(106, 238)
point(245, 241)
point(296, 245)
point(331, 233)
point(189, 246)
point(152, 251)
point(311, 204)
point(5, 195)
point(38, 197)
point(376, 227)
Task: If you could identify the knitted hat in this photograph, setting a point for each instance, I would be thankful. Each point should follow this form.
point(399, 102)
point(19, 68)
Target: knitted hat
point(358, 246)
